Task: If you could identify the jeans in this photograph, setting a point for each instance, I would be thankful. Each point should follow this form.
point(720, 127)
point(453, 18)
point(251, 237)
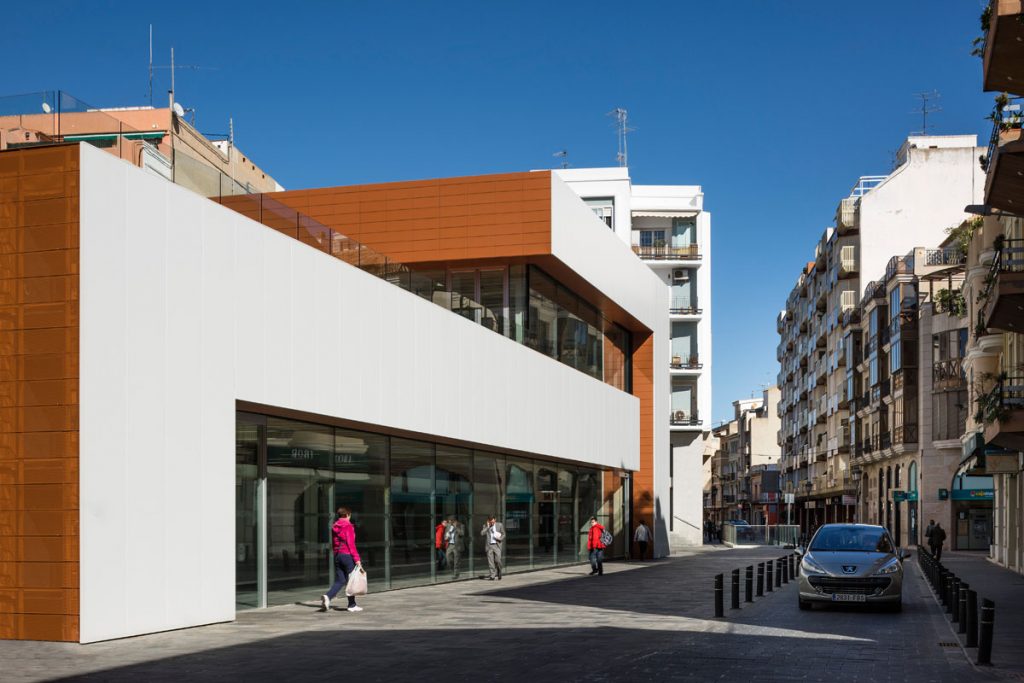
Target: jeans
point(440, 558)
point(597, 560)
point(343, 566)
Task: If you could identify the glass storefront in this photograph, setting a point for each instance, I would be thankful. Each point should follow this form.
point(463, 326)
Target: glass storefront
point(291, 476)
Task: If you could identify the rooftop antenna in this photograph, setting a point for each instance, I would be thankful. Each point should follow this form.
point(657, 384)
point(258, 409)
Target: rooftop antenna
point(621, 117)
point(562, 154)
point(172, 66)
point(151, 65)
point(926, 108)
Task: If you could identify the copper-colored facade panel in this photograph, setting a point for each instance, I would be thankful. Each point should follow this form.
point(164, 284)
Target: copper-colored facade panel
point(39, 495)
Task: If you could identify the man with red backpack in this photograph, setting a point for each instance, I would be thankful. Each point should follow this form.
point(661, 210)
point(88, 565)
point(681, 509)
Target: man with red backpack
point(597, 540)
point(440, 545)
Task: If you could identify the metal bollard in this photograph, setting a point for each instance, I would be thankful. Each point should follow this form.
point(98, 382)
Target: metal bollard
point(950, 577)
point(735, 588)
point(941, 588)
point(778, 573)
point(769, 575)
point(749, 585)
point(785, 570)
point(719, 596)
point(760, 579)
point(954, 594)
point(985, 626)
point(962, 628)
point(972, 618)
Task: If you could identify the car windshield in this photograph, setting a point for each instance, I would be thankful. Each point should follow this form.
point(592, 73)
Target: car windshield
point(864, 540)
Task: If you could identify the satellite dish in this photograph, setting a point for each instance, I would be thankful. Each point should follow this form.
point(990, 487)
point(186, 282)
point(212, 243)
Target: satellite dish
point(46, 107)
point(179, 110)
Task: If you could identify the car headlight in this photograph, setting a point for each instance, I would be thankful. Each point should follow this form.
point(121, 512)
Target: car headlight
point(809, 566)
point(890, 567)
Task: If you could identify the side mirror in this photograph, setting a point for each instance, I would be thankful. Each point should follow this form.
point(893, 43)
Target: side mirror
point(903, 553)
point(800, 550)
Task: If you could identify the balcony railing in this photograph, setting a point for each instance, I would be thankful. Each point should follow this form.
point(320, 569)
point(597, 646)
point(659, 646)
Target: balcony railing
point(689, 252)
point(1000, 284)
point(680, 418)
point(949, 374)
point(1007, 395)
point(949, 256)
point(684, 306)
point(904, 434)
point(690, 362)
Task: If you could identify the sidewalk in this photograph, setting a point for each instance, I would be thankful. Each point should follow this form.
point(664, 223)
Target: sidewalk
point(1006, 589)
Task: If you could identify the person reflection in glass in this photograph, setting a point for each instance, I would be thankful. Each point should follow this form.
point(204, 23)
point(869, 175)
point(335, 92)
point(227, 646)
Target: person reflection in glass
point(454, 534)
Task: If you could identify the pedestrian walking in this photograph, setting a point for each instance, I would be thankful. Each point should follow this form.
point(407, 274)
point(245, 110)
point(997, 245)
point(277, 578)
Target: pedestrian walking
point(346, 559)
point(642, 536)
point(453, 539)
point(938, 537)
point(595, 547)
point(494, 537)
point(928, 533)
point(439, 549)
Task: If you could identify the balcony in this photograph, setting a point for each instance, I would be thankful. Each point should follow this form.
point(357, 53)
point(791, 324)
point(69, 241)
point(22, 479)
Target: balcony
point(847, 262)
point(1004, 186)
point(1002, 412)
point(949, 374)
point(1003, 66)
point(690, 252)
point(846, 216)
point(683, 306)
point(1004, 291)
point(680, 418)
point(904, 435)
point(683, 362)
point(879, 391)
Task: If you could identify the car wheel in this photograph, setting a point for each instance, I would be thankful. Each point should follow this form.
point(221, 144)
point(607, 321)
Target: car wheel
point(804, 604)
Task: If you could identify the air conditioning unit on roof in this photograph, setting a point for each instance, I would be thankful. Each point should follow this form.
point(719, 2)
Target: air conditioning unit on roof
point(680, 275)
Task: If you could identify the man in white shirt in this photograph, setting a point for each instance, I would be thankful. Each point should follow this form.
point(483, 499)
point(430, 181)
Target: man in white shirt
point(494, 536)
point(642, 536)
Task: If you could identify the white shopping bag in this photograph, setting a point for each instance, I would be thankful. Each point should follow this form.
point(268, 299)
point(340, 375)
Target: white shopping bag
point(356, 583)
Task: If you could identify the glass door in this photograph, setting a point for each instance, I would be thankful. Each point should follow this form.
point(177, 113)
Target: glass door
point(300, 501)
point(413, 555)
point(249, 492)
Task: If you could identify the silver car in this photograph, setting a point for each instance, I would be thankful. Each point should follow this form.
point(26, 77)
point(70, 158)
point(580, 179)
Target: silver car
point(852, 563)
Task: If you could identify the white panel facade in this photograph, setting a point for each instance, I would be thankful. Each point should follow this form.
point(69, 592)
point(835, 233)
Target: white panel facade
point(187, 307)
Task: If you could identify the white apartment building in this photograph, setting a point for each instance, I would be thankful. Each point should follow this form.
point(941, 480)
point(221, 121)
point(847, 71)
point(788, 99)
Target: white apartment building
point(934, 179)
point(668, 228)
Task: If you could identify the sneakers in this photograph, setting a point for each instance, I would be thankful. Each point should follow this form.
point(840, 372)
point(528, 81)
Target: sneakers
point(325, 603)
point(354, 608)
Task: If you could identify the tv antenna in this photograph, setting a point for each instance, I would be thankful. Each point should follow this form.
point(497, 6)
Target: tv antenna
point(926, 108)
point(621, 117)
point(562, 154)
point(172, 66)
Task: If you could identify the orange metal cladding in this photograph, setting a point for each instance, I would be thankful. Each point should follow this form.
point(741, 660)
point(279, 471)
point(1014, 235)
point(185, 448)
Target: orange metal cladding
point(39, 511)
point(453, 222)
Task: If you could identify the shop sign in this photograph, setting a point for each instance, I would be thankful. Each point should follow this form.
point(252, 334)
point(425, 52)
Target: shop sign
point(899, 496)
point(943, 494)
point(849, 500)
point(973, 494)
point(912, 496)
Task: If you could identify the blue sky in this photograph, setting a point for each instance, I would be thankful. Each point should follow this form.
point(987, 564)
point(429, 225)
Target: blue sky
point(774, 107)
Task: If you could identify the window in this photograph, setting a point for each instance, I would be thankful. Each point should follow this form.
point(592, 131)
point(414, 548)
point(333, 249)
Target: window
point(684, 232)
point(603, 208)
point(652, 238)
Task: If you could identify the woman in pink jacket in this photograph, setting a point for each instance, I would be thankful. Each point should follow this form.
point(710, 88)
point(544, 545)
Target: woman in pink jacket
point(346, 559)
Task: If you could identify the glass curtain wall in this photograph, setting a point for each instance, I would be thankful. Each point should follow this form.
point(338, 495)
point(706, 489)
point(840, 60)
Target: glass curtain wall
point(291, 477)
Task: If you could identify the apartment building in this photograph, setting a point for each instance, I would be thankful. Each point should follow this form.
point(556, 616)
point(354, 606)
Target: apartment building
point(668, 228)
point(993, 443)
point(934, 179)
point(744, 482)
point(158, 140)
point(907, 387)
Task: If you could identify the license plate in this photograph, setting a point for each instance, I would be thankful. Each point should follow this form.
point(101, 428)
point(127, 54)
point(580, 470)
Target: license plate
point(849, 597)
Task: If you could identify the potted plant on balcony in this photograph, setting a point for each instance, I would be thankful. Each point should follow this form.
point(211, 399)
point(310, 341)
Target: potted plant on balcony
point(677, 361)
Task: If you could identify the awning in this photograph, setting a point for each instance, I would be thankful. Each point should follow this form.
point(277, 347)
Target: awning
point(94, 137)
point(665, 214)
point(981, 459)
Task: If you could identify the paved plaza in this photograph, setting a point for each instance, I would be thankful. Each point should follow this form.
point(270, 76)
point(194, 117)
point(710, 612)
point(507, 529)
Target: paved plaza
point(640, 621)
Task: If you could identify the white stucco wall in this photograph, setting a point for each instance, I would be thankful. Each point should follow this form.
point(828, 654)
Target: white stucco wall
point(187, 306)
point(915, 205)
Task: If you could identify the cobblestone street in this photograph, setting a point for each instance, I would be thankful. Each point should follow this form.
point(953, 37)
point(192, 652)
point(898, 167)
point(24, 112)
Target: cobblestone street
point(640, 621)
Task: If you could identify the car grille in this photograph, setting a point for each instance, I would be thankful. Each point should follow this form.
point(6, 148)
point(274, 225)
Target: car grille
point(859, 586)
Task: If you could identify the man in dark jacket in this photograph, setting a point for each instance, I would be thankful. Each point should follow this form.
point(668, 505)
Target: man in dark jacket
point(936, 540)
